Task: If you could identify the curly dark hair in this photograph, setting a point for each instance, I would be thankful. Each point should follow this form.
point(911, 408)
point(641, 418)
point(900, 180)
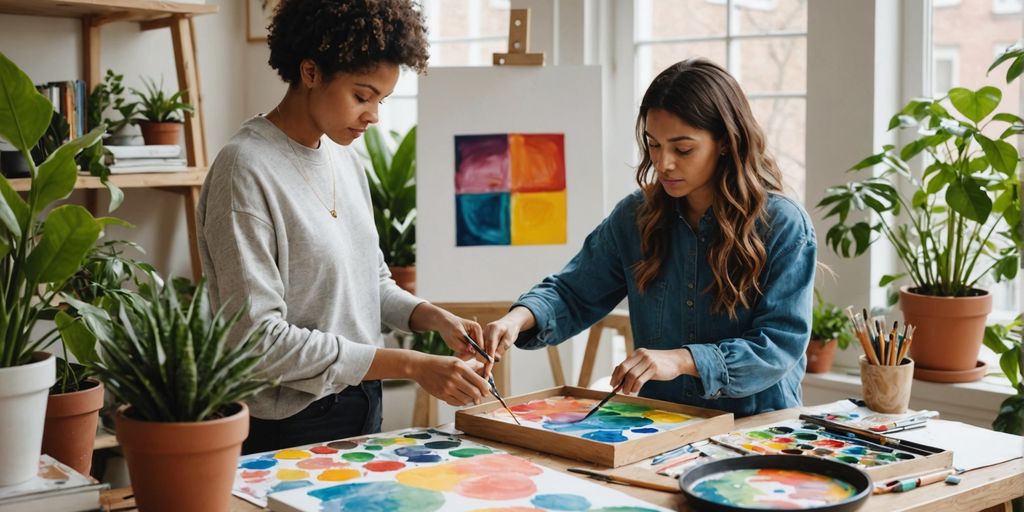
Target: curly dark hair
point(349, 36)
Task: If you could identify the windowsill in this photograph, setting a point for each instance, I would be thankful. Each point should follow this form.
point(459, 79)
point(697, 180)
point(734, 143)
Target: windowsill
point(971, 402)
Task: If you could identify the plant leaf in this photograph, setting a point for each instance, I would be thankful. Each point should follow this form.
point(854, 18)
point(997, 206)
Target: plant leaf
point(77, 338)
point(966, 197)
point(67, 235)
point(24, 113)
point(1001, 155)
point(57, 175)
point(975, 105)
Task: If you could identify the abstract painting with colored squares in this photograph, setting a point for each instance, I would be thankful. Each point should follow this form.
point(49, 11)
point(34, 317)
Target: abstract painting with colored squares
point(799, 438)
point(510, 189)
point(615, 422)
point(414, 470)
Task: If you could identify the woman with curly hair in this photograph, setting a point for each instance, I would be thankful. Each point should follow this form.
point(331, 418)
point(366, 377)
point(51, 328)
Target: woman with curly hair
point(717, 265)
point(286, 224)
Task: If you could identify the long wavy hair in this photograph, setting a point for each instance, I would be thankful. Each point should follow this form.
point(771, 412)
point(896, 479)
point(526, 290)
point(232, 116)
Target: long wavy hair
point(705, 96)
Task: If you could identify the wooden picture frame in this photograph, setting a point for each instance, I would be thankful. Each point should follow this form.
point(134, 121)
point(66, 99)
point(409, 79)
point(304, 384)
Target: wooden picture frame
point(606, 454)
point(258, 14)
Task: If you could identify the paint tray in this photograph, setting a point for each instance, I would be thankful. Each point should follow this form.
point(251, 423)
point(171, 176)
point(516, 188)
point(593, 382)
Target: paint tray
point(627, 429)
point(775, 482)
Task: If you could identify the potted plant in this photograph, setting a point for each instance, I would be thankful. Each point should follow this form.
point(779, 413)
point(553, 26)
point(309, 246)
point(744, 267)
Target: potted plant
point(110, 95)
point(1005, 340)
point(165, 356)
point(392, 179)
point(830, 328)
point(40, 249)
point(159, 115)
point(950, 227)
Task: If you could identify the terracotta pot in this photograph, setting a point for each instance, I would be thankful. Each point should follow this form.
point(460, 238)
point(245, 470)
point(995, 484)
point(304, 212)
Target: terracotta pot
point(23, 391)
point(405, 277)
point(71, 426)
point(949, 330)
point(182, 466)
point(160, 133)
point(820, 355)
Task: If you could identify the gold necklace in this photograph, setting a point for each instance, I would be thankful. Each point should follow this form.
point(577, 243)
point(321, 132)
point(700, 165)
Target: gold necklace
point(333, 209)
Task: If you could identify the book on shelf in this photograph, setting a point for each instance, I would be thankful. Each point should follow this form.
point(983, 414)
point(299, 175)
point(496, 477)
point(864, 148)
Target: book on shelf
point(69, 99)
point(149, 151)
point(55, 488)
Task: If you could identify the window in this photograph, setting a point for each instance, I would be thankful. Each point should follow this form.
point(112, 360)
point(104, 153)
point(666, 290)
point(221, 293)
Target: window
point(945, 69)
point(763, 43)
point(461, 33)
point(1001, 6)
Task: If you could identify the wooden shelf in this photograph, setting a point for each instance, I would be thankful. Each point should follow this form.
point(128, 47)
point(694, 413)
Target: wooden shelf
point(104, 440)
point(121, 10)
point(192, 178)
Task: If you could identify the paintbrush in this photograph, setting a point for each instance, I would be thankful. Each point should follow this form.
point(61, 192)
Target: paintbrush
point(862, 335)
point(908, 484)
point(602, 402)
point(907, 446)
point(490, 379)
point(625, 481)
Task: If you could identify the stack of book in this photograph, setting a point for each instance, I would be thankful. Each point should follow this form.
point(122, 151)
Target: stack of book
point(69, 100)
point(56, 487)
point(153, 158)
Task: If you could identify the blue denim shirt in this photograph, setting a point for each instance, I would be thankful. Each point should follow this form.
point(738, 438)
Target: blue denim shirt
point(747, 366)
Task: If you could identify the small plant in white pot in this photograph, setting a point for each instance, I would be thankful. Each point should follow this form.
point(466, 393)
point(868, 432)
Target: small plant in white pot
point(167, 358)
point(40, 249)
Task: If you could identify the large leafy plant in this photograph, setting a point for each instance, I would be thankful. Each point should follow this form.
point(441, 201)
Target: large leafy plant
point(958, 221)
point(40, 248)
point(166, 354)
point(1005, 340)
point(156, 106)
point(392, 178)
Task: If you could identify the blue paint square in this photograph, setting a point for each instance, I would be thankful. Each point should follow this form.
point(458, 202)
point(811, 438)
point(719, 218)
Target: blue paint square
point(482, 219)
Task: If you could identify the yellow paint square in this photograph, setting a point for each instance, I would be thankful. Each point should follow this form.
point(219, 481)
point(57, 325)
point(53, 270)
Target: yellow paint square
point(538, 218)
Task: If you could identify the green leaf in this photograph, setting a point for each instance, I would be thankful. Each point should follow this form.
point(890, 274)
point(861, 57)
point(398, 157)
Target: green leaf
point(57, 175)
point(1010, 364)
point(1014, 51)
point(888, 278)
point(1011, 415)
point(77, 338)
point(67, 235)
point(975, 105)
point(1014, 70)
point(24, 113)
point(1008, 117)
point(966, 197)
point(868, 162)
point(7, 216)
point(15, 202)
point(1001, 155)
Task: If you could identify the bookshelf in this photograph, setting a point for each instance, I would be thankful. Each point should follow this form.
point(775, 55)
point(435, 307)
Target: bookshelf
point(150, 15)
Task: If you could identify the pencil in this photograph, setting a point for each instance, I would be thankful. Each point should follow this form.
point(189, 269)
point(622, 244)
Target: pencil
point(892, 344)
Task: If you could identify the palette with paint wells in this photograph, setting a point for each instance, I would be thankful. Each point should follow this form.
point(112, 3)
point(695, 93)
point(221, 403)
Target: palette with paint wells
point(623, 431)
point(795, 437)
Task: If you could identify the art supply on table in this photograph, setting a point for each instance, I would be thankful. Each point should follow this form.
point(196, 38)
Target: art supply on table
point(909, 446)
point(604, 477)
point(855, 413)
point(973, 447)
point(907, 484)
point(917, 420)
point(602, 402)
point(490, 378)
point(886, 388)
point(688, 448)
point(56, 486)
point(883, 346)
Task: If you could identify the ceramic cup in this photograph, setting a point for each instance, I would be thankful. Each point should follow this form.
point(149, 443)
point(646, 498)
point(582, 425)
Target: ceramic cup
point(886, 389)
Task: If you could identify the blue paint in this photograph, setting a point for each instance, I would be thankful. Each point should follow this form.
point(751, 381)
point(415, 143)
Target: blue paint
point(427, 457)
point(258, 464)
point(289, 485)
point(442, 445)
point(855, 450)
point(411, 451)
point(605, 436)
point(482, 219)
point(601, 422)
point(646, 430)
point(560, 502)
point(377, 497)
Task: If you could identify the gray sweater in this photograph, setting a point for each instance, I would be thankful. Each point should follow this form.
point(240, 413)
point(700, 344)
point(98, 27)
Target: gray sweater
point(321, 282)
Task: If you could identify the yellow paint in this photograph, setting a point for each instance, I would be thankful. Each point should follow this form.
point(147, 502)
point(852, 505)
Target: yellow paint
point(443, 477)
point(666, 417)
point(538, 218)
point(339, 475)
point(291, 474)
point(292, 454)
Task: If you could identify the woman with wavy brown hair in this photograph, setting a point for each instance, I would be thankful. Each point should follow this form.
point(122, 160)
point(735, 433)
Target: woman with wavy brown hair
point(717, 265)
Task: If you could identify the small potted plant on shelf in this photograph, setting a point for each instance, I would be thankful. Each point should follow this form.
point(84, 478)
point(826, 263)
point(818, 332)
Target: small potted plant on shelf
point(392, 179)
point(110, 95)
point(830, 328)
point(159, 115)
point(165, 356)
point(41, 248)
point(952, 226)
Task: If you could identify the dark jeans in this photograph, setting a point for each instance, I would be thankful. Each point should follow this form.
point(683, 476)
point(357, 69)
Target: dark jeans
point(353, 412)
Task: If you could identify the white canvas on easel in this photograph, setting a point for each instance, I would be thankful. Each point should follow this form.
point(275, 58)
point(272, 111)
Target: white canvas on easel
point(470, 101)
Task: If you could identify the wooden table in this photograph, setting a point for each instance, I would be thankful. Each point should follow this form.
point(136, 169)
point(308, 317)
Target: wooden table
point(986, 489)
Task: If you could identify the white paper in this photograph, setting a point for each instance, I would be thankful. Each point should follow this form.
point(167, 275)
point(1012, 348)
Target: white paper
point(972, 447)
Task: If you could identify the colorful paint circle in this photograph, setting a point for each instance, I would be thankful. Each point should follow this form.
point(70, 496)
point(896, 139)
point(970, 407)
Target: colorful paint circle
point(320, 463)
point(496, 487)
point(425, 458)
point(342, 445)
point(442, 445)
point(666, 417)
point(258, 464)
point(291, 474)
point(561, 502)
point(772, 488)
point(644, 430)
point(409, 451)
point(377, 496)
point(465, 453)
point(418, 435)
point(323, 450)
point(382, 466)
point(357, 456)
point(292, 454)
point(338, 475)
point(605, 436)
point(289, 485)
point(255, 476)
point(373, 447)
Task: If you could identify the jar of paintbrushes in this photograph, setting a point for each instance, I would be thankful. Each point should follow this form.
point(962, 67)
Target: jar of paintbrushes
point(886, 371)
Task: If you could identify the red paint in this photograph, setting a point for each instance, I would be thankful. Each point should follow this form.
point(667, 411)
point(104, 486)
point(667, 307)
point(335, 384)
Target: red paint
point(829, 443)
point(496, 487)
point(257, 475)
point(323, 450)
point(320, 463)
point(381, 466)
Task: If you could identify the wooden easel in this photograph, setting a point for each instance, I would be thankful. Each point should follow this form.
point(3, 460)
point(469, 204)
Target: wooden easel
point(519, 42)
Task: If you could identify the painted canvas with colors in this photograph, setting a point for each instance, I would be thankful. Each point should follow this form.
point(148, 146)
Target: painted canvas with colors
point(616, 422)
point(799, 438)
point(510, 189)
point(494, 481)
